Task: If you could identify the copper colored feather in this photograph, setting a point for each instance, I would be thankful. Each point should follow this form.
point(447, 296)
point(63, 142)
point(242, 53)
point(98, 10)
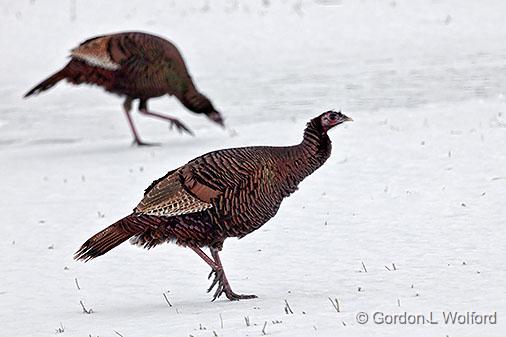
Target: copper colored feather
point(137, 66)
point(222, 194)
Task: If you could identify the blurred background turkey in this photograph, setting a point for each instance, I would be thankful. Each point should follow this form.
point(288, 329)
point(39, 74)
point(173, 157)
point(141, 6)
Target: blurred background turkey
point(138, 66)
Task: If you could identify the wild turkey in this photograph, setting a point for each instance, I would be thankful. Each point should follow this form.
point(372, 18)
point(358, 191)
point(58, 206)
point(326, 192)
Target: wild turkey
point(138, 66)
point(226, 193)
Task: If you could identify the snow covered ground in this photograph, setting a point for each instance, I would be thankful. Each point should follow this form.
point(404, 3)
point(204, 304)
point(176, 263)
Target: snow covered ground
point(406, 216)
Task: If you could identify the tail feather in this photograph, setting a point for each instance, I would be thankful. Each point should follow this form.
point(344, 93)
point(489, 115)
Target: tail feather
point(105, 240)
point(47, 83)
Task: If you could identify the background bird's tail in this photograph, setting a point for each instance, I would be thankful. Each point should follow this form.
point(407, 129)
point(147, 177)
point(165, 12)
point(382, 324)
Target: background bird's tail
point(47, 83)
point(107, 239)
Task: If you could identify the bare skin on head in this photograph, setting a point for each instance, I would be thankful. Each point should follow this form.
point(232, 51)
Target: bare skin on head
point(222, 194)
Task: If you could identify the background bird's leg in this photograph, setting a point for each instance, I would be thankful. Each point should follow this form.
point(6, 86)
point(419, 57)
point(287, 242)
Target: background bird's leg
point(127, 106)
point(174, 122)
point(221, 279)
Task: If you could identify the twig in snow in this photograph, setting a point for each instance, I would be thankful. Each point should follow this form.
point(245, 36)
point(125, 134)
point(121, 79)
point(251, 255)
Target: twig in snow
point(246, 320)
point(167, 300)
point(86, 311)
point(263, 329)
point(221, 321)
point(77, 284)
point(215, 334)
point(399, 302)
point(60, 329)
point(393, 267)
point(363, 266)
point(288, 310)
point(117, 333)
point(335, 304)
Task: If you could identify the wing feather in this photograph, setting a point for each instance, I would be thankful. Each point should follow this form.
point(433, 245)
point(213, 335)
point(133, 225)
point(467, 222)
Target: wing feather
point(176, 194)
point(237, 182)
point(95, 52)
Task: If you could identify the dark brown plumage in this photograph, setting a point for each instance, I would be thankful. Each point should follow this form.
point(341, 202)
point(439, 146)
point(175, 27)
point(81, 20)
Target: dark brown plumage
point(138, 66)
point(226, 193)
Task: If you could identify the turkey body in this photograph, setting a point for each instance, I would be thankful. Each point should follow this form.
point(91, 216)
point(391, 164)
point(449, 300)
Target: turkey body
point(242, 187)
point(222, 194)
point(135, 65)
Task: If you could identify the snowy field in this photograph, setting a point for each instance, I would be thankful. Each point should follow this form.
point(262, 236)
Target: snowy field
point(408, 214)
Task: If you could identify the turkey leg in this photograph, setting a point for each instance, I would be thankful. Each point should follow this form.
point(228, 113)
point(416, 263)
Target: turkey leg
point(174, 122)
point(127, 106)
point(220, 279)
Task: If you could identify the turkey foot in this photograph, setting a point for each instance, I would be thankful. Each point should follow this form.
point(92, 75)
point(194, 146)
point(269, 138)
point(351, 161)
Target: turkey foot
point(137, 142)
point(220, 280)
point(174, 122)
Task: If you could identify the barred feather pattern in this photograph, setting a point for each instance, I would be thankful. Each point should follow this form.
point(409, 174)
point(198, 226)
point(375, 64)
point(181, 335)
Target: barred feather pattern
point(276, 174)
point(242, 187)
point(149, 231)
point(173, 196)
point(249, 183)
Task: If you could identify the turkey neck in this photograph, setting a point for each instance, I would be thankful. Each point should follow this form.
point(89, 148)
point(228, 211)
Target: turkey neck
point(310, 154)
point(194, 100)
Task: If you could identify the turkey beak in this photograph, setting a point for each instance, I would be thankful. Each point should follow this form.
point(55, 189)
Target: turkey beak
point(345, 118)
point(216, 117)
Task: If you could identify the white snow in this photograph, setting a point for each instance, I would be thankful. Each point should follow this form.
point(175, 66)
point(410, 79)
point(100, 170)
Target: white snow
point(418, 180)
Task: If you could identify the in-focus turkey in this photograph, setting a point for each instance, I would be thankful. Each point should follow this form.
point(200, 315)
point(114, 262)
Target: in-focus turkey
point(222, 194)
point(137, 66)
